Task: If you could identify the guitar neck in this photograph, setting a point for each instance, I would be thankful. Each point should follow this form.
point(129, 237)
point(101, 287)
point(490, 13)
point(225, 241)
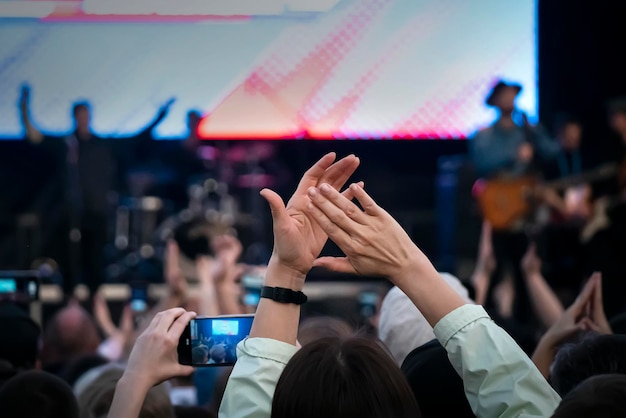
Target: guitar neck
point(601, 173)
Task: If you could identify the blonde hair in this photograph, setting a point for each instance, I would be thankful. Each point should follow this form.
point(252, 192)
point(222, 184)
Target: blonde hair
point(96, 399)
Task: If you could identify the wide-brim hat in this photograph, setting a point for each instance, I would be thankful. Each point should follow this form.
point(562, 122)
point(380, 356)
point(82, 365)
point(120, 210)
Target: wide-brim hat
point(498, 88)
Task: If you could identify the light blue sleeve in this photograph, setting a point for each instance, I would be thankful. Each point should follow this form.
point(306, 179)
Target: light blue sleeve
point(546, 146)
point(499, 378)
point(490, 155)
point(250, 388)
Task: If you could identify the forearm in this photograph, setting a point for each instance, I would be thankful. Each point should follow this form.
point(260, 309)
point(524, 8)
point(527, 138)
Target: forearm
point(208, 300)
point(427, 290)
point(32, 133)
point(128, 399)
point(547, 306)
point(278, 321)
point(543, 357)
point(228, 300)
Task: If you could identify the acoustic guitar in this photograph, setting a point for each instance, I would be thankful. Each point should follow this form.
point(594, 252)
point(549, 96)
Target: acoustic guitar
point(504, 202)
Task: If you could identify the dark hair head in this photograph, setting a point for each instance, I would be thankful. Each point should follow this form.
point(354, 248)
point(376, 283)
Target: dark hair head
point(37, 394)
point(192, 238)
point(594, 355)
point(81, 365)
point(192, 412)
point(599, 396)
point(349, 377)
point(563, 119)
point(21, 349)
point(437, 387)
point(317, 327)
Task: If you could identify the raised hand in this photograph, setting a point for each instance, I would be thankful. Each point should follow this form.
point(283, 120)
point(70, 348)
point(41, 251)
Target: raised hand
point(174, 277)
point(298, 239)
point(154, 357)
point(227, 250)
point(374, 243)
point(595, 312)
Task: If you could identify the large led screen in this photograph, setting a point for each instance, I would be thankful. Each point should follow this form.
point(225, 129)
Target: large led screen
point(390, 69)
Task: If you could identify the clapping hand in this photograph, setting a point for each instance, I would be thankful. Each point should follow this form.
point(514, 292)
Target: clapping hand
point(298, 239)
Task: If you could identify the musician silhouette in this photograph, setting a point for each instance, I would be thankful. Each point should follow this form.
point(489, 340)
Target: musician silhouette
point(508, 149)
point(74, 202)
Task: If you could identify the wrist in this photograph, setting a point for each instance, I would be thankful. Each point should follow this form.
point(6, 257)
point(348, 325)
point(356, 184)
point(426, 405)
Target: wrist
point(280, 275)
point(134, 382)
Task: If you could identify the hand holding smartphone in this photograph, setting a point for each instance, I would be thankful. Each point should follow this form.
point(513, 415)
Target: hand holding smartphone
point(212, 341)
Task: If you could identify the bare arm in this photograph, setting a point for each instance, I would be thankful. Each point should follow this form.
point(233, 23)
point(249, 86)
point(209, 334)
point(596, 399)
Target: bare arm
point(32, 133)
point(157, 346)
point(546, 304)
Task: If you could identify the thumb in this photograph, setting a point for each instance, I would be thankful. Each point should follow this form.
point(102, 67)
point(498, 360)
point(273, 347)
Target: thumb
point(185, 370)
point(277, 206)
point(336, 264)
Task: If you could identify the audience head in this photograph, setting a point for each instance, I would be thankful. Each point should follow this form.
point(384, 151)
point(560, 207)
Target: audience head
point(200, 354)
point(617, 115)
point(437, 387)
point(96, 398)
point(37, 394)
point(594, 355)
point(218, 353)
point(81, 365)
point(318, 327)
point(21, 336)
point(568, 131)
point(402, 327)
point(71, 333)
point(602, 396)
point(192, 412)
point(349, 377)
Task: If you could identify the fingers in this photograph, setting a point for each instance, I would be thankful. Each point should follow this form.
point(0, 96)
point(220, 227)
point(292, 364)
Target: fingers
point(185, 370)
point(164, 320)
point(177, 328)
point(330, 227)
point(349, 192)
point(336, 264)
point(340, 172)
point(336, 207)
point(315, 173)
point(367, 203)
point(598, 304)
point(585, 295)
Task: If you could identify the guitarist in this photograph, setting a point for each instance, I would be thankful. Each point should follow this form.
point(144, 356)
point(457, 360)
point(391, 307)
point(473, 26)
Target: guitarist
point(508, 149)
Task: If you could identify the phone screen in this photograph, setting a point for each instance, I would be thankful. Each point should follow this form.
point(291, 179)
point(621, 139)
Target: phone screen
point(23, 287)
point(139, 298)
point(213, 341)
point(8, 286)
point(368, 303)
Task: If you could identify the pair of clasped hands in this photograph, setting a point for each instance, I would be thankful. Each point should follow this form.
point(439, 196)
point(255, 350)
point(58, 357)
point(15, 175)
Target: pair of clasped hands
point(374, 244)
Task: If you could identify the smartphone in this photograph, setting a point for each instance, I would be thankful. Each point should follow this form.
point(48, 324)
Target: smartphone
point(368, 303)
point(252, 281)
point(212, 341)
point(139, 297)
point(19, 285)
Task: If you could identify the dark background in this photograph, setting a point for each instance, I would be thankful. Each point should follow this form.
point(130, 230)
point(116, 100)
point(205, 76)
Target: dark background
point(581, 51)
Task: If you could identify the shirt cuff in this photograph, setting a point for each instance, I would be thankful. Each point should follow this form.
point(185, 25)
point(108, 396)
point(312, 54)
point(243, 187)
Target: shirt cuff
point(456, 320)
point(266, 348)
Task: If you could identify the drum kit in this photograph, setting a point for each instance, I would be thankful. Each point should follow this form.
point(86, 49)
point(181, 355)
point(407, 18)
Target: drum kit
point(143, 223)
